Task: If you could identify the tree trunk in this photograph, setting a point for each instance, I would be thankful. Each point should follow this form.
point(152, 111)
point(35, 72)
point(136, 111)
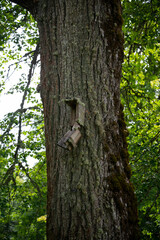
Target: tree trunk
point(89, 192)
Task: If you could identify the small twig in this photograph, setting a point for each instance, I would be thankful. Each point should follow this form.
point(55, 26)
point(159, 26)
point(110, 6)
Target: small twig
point(16, 64)
point(27, 174)
point(12, 119)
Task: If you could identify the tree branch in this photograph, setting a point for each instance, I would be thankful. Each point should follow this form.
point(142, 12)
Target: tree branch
point(13, 117)
point(30, 5)
point(10, 171)
point(154, 202)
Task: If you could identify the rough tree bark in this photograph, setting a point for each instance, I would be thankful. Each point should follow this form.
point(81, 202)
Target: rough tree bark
point(89, 192)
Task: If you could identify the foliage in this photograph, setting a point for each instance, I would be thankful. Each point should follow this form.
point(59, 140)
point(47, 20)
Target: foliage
point(23, 188)
point(21, 205)
point(140, 94)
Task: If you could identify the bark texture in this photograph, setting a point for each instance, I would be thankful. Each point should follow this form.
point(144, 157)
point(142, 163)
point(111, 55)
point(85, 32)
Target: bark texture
point(89, 192)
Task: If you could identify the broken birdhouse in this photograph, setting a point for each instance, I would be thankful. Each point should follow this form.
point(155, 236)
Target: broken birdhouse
point(64, 140)
point(74, 138)
point(71, 138)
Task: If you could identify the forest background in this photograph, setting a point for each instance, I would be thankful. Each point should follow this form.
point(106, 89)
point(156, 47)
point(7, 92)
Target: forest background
point(23, 186)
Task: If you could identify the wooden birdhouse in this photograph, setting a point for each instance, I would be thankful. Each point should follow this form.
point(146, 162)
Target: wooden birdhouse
point(71, 138)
